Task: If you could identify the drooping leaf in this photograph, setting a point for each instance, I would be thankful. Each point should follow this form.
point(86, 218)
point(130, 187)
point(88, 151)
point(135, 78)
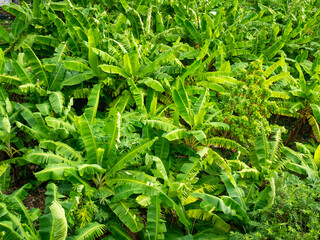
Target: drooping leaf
point(112, 129)
point(4, 34)
point(38, 156)
point(127, 215)
point(114, 70)
point(36, 65)
point(78, 78)
point(162, 148)
point(138, 95)
point(317, 156)
point(233, 190)
point(217, 222)
point(93, 103)
point(89, 232)
point(88, 139)
point(54, 226)
point(87, 171)
point(227, 143)
point(154, 84)
point(76, 66)
point(155, 226)
point(10, 233)
point(160, 124)
point(57, 100)
point(118, 231)
point(52, 172)
point(55, 83)
point(182, 103)
point(316, 111)
point(63, 149)
point(129, 156)
point(23, 74)
point(267, 196)
point(175, 134)
point(273, 50)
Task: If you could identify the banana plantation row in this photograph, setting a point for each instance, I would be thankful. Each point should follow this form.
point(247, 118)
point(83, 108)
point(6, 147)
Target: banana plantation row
point(160, 119)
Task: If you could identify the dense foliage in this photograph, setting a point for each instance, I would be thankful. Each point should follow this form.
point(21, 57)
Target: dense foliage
point(160, 119)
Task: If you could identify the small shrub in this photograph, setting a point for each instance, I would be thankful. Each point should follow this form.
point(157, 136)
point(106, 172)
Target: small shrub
point(294, 215)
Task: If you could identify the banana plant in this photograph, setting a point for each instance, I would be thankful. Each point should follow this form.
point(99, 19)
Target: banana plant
point(62, 162)
point(241, 183)
point(139, 77)
point(18, 222)
point(11, 145)
point(305, 162)
point(9, 113)
point(303, 103)
point(24, 18)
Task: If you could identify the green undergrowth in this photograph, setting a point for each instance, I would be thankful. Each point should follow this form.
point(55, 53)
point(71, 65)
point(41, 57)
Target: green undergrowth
point(294, 214)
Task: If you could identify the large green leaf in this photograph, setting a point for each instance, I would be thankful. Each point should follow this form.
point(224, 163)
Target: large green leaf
point(127, 215)
point(93, 103)
point(190, 70)
point(23, 74)
point(209, 201)
point(235, 192)
point(54, 226)
point(118, 231)
point(11, 221)
point(17, 198)
point(88, 139)
point(114, 70)
point(36, 66)
point(78, 78)
point(316, 111)
point(217, 222)
point(62, 149)
point(182, 103)
point(131, 63)
point(76, 66)
point(52, 172)
point(125, 158)
point(138, 95)
point(89, 232)
point(37, 156)
point(273, 50)
point(125, 191)
point(189, 171)
point(200, 103)
point(112, 129)
point(175, 134)
point(162, 148)
point(156, 225)
point(104, 56)
point(315, 126)
point(227, 143)
point(154, 84)
point(87, 171)
point(276, 78)
point(9, 232)
point(317, 156)
point(4, 34)
point(267, 196)
point(57, 100)
point(162, 124)
point(56, 81)
point(93, 42)
point(75, 178)
point(214, 157)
